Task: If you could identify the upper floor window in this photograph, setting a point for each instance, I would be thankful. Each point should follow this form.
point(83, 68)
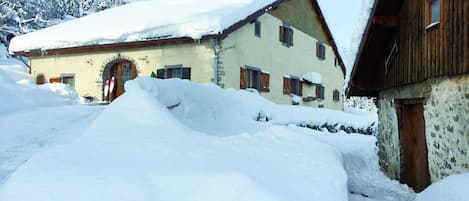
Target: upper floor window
point(257, 29)
point(286, 35)
point(435, 6)
point(320, 50)
point(174, 71)
point(254, 78)
point(336, 95)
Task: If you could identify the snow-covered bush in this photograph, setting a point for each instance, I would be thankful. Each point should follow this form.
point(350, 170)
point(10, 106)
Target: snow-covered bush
point(364, 103)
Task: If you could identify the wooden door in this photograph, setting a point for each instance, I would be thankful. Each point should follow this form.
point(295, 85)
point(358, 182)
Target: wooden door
point(414, 162)
point(122, 72)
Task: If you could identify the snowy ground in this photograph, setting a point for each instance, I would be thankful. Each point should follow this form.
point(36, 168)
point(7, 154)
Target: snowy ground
point(214, 145)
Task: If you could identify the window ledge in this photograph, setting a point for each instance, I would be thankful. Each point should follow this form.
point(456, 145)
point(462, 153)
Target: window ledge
point(432, 26)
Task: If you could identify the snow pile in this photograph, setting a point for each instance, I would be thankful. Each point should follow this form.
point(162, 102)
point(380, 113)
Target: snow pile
point(452, 188)
point(143, 20)
point(199, 105)
point(144, 152)
point(3, 52)
point(313, 77)
point(23, 94)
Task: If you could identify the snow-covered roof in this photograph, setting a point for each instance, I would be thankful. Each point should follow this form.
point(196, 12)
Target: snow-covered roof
point(142, 20)
point(313, 77)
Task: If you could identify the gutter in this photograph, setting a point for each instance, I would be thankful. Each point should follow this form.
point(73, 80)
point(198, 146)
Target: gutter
point(216, 53)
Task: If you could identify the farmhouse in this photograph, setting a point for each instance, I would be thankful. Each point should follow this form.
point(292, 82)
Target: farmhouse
point(283, 49)
point(414, 58)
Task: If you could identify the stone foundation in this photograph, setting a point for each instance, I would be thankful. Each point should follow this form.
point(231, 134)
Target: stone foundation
point(446, 114)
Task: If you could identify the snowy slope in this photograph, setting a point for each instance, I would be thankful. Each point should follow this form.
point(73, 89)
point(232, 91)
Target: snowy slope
point(142, 20)
point(452, 188)
point(142, 152)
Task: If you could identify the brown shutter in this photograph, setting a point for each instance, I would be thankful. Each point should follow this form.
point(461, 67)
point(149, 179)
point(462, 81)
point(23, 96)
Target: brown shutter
point(134, 71)
point(318, 91)
point(301, 88)
point(54, 80)
point(242, 78)
point(291, 38)
point(265, 82)
point(40, 79)
point(281, 34)
point(318, 54)
point(286, 86)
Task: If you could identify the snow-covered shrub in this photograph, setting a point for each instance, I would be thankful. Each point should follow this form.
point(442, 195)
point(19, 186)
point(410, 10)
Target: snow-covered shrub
point(364, 103)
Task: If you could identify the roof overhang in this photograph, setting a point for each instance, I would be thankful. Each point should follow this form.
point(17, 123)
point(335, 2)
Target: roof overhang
point(365, 79)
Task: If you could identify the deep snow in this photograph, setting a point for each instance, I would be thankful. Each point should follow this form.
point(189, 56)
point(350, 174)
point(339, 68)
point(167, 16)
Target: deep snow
point(213, 144)
point(452, 188)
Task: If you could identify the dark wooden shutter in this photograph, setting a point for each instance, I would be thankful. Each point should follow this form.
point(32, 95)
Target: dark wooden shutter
point(242, 78)
point(291, 37)
point(186, 73)
point(282, 34)
point(54, 80)
point(322, 92)
point(286, 86)
point(265, 82)
point(169, 73)
point(318, 91)
point(134, 71)
point(318, 54)
point(160, 73)
point(301, 89)
point(40, 79)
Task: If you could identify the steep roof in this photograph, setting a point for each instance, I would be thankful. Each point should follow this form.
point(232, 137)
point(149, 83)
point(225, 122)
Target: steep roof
point(141, 24)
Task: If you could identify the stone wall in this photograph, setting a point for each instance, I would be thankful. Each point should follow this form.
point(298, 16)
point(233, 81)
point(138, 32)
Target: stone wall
point(446, 114)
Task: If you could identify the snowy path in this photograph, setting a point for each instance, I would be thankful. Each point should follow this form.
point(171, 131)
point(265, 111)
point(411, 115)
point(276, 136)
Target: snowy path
point(25, 133)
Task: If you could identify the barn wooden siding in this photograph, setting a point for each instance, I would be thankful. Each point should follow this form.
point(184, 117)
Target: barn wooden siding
point(423, 53)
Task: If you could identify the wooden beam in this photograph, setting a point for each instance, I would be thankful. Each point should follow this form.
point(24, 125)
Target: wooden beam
point(387, 21)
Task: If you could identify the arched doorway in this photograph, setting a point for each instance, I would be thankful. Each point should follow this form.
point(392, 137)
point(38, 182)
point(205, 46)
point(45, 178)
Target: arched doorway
point(122, 71)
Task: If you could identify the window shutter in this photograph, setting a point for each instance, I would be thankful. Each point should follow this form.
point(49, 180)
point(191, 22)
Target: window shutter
point(291, 38)
point(242, 78)
point(160, 73)
point(286, 86)
point(265, 82)
point(282, 34)
point(40, 79)
point(322, 92)
point(54, 80)
point(318, 91)
point(186, 73)
point(301, 88)
point(318, 54)
point(169, 73)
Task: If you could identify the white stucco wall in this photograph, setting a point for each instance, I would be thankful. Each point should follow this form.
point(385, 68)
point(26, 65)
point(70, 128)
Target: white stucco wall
point(87, 67)
point(242, 48)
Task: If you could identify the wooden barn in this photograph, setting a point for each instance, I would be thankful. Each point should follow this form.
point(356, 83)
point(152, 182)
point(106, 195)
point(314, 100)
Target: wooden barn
point(414, 58)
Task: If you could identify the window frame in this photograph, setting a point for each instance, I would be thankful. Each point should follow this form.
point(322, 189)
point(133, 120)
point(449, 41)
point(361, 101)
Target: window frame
point(68, 75)
point(320, 89)
point(258, 29)
point(286, 35)
point(295, 81)
point(336, 95)
point(320, 51)
point(429, 16)
point(179, 67)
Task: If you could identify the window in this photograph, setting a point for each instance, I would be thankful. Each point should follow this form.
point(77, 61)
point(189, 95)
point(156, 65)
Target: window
point(257, 29)
point(336, 95)
point(40, 79)
point(68, 79)
point(254, 78)
point(174, 71)
point(292, 85)
point(435, 6)
point(320, 51)
point(286, 35)
point(320, 92)
point(336, 62)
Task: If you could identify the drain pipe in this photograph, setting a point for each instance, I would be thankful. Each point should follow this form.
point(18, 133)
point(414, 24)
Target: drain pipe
point(216, 53)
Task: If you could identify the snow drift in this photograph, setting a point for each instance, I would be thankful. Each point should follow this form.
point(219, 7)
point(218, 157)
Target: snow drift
point(18, 92)
point(137, 149)
point(452, 188)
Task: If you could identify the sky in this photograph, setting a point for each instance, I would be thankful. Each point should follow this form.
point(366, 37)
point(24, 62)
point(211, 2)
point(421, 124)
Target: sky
point(346, 20)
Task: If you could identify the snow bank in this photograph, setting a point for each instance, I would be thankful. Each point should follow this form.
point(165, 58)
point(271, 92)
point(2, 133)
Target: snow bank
point(208, 108)
point(452, 188)
point(3, 52)
point(142, 20)
point(313, 77)
point(139, 150)
point(23, 94)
